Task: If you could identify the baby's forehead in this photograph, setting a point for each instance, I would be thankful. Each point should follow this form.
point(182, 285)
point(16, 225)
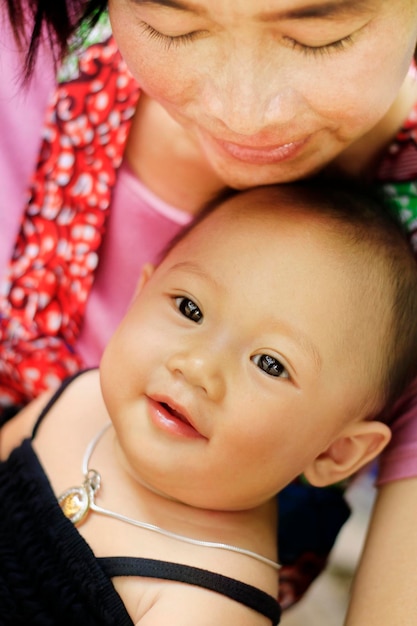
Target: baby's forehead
point(255, 229)
point(278, 202)
point(259, 212)
point(286, 230)
point(347, 225)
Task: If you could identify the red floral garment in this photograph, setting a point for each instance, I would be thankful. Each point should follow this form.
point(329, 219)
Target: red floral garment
point(43, 299)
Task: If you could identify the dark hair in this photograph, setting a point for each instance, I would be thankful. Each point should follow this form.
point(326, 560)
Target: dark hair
point(59, 18)
point(56, 19)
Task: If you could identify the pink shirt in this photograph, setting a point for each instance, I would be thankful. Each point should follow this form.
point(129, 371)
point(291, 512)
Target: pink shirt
point(139, 228)
point(21, 118)
point(399, 460)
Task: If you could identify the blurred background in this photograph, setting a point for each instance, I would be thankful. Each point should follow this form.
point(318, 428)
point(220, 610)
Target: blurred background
point(326, 601)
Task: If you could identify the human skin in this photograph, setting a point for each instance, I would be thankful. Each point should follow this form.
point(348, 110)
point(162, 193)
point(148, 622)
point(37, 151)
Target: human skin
point(246, 94)
point(224, 380)
point(349, 102)
point(388, 597)
point(353, 130)
point(222, 383)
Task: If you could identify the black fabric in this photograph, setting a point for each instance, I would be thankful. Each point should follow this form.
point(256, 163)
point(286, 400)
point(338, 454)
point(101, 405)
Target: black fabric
point(245, 594)
point(49, 576)
point(310, 519)
point(7, 413)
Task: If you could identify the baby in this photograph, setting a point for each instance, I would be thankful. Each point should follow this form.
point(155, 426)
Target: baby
point(265, 345)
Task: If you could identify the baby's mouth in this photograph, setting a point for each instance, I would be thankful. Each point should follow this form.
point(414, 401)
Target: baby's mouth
point(173, 418)
point(175, 413)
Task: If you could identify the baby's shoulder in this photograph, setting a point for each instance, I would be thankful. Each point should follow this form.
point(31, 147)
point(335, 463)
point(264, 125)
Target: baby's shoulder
point(65, 426)
point(77, 406)
point(195, 584)
point(183, 604)
point(57, 415)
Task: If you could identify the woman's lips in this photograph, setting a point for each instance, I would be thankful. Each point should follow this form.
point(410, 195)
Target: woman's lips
point(172, 419)
point(261, 155)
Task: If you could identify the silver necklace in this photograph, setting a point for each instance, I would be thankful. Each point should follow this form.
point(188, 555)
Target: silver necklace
point(77, 502)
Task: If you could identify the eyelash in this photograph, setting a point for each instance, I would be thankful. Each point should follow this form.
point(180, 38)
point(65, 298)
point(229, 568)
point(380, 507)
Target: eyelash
point(167, 40)
point(335, 46)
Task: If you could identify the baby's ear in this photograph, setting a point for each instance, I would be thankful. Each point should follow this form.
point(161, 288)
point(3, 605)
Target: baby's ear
point(359, 443)
point(147, 271)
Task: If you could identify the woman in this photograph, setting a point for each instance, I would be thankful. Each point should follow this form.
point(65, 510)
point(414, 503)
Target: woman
point(231, 94)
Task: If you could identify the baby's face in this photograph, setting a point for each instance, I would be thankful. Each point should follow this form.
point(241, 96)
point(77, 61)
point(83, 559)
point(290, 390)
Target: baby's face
point(237, 365)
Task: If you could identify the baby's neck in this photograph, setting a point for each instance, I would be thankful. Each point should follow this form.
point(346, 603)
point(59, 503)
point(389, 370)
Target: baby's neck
point(252, 529)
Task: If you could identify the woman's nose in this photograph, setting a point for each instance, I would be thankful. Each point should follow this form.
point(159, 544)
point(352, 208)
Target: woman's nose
point(248, 100)
point(202, 369)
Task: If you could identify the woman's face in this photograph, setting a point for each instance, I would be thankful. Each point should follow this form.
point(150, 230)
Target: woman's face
point(269, 90)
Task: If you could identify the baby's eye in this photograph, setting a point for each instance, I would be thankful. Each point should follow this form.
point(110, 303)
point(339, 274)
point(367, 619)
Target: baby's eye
point(270, 366)
point(189, 309)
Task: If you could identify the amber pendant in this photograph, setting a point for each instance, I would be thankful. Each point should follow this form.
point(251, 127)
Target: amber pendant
point(75, 502)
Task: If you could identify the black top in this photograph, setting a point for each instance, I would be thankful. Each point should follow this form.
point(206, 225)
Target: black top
point(50, 576)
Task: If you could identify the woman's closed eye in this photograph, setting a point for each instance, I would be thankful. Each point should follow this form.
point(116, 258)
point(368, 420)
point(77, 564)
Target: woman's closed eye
point(334, 46)
point(168, 40)
point(189, 309)
point(270, 365)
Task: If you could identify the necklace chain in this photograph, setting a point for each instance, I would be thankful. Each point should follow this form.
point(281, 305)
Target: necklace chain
point(76, 503)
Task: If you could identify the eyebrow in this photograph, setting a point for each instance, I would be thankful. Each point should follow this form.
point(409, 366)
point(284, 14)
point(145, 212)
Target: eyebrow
point(322, 10)
point(301, 340)
point(174, 4)
point(188, 266)
point(308, 347)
